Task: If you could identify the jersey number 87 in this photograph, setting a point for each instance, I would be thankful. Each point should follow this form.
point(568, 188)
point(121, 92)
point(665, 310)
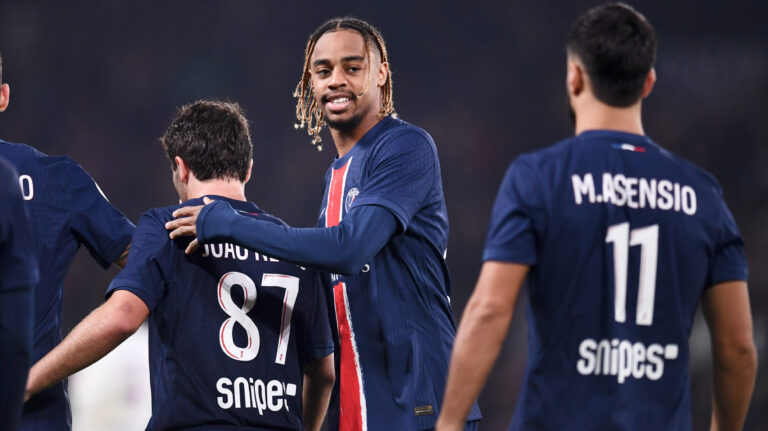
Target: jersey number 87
point(239, 315)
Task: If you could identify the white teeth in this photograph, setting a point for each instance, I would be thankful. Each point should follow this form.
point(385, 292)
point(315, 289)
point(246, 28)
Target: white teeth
point(340, 100)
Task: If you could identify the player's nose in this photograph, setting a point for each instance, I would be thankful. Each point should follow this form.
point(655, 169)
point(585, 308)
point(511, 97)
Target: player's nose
point(338, 78)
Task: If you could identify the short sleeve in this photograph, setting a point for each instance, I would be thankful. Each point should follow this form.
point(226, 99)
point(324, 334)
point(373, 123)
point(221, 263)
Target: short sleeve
point(17, 259)
point(144, 274)
point(512, 235)
point(320, 341)
point(401, 176)
point(102, 228)
point(729, 262)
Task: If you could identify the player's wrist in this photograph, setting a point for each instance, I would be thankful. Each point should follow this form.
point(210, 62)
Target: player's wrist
point(444, 424)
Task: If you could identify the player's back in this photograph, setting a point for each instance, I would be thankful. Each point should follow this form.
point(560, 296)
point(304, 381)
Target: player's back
point(66, 209)
point(18, 278)
point(230, 329)
point(628, 236)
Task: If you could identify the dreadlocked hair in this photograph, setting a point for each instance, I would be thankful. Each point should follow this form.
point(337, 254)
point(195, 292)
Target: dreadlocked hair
point(308, 110)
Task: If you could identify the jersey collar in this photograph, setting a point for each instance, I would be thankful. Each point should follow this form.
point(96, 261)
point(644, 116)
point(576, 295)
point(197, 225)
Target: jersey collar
point(238, 205)
point(615, 135)
point(369, 137)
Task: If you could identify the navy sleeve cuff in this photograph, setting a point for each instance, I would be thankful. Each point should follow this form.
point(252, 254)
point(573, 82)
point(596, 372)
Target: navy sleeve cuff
point(319, 352)
point(143, 294)
point(736, 274)
point(509, 256)
point(123, 239)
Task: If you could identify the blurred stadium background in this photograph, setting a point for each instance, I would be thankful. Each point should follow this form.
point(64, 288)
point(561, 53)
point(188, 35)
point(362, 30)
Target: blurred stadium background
point(100, 81)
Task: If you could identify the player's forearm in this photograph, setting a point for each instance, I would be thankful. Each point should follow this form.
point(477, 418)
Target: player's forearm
point(734, 358)
point(98, 334)
point(15, 353)
point(318, 384)
point(734, 373)
point(343, 249)
point(482, 329)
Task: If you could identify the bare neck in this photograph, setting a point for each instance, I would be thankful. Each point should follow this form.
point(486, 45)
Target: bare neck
point(599, 116)
point(232, 189)
point(344, 141)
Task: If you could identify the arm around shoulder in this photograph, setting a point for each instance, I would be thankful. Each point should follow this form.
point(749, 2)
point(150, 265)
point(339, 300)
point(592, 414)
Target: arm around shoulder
point(342, 249)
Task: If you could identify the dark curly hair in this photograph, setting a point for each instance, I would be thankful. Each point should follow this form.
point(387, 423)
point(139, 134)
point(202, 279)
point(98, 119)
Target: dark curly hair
point(212, 137)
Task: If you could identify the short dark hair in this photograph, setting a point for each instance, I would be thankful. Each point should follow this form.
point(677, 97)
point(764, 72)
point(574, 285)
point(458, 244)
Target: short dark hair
point(212, 138)
point(617, 46)
point(1, 67)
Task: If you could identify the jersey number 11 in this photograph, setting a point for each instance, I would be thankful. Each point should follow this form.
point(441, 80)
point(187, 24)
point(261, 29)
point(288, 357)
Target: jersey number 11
point(648, 240)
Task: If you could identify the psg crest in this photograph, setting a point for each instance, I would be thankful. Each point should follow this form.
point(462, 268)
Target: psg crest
point(351, 195)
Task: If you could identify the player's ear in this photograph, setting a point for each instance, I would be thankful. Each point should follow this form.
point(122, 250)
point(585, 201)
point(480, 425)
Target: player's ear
point(575, 79)
point(182, 169)
point(650, 80)
point(382, 74)
point(5, 96)
point(248, 174)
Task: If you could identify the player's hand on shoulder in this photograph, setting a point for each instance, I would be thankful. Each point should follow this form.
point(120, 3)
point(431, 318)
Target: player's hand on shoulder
point(185, 224)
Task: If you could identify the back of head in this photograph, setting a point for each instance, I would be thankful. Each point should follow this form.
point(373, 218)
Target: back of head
point(212, 138)
point(617, 47)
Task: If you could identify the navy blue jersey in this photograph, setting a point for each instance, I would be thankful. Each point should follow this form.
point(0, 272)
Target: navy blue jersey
point(229, 329)
point(18, 277)
point(622, 238)
point(394, 320)
point(66, 209)
point(17, 259)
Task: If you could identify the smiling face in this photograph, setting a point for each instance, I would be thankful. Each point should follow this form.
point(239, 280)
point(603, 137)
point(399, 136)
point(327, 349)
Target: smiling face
point(347, 80)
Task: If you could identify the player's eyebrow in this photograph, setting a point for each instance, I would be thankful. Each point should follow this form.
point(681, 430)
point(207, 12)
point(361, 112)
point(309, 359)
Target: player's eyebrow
point(326, 62)
point(353, 58)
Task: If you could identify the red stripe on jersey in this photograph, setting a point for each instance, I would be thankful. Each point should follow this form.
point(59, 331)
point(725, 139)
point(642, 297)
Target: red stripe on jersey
point(353, 410)
point(336, 195)
point(352, 403)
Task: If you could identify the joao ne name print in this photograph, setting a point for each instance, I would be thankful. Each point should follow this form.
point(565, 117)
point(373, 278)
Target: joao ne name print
point(620, 190)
